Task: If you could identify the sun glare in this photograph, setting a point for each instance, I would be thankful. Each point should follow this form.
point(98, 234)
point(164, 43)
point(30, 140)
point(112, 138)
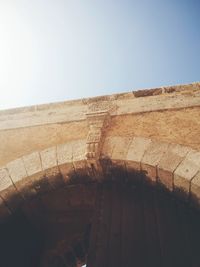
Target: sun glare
point(16, 54)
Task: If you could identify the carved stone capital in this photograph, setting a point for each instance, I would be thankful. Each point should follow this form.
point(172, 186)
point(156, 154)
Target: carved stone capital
point(98, 118)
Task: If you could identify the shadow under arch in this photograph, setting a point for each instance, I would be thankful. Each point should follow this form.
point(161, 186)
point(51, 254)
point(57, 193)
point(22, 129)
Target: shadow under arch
point(73, 171)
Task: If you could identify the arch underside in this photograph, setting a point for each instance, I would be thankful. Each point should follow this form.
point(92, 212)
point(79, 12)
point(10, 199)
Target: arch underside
point(67, 199)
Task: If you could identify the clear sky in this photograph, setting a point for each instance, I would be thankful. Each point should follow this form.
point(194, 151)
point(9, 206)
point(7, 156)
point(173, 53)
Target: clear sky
point(54, 50)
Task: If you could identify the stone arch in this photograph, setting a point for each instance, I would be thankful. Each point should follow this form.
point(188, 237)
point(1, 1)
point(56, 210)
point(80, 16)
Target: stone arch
point(175, 167)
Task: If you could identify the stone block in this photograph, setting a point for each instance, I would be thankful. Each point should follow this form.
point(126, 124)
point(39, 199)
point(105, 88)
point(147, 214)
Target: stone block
point(48, 158)
point(50, 166)
point(8, 192)
point(5, 180)
point(135, 152)
point(120, 149)
point(64, 157)
point(81, 167)
point(108, 146)
point(36, 181)
point(184, 173)
point(106, 154)
point(32, 163)
point(17, 170)
point(152, 157)
point(169, 162)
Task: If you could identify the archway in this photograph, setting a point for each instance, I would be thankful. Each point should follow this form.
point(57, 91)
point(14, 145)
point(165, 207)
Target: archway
point(135, 170)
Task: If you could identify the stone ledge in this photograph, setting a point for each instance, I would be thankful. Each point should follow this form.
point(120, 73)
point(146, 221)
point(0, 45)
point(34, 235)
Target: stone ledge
point(127, 103)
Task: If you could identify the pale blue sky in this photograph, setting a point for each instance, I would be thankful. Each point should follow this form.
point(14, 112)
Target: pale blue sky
point(66, 49)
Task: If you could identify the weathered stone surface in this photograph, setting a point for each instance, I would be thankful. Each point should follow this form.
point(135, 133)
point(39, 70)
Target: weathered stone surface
point(32, 163)
point(5, 180)
point(120, 148)
point(195, 190)
point(98, 120)
point(8, 192)
point(169, 162)
point(64, 134)
point(136, 151)
point(17, 170)
point(50, 165)
point(64, 157)
point(48, 158)
point(186, 171)
point(79, 158)
point(155, 116)
point(108, 146)
point(152, 157)
point(33, 184)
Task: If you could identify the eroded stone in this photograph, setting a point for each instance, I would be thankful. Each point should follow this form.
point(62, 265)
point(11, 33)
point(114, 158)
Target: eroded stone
point(169, 162)
point(136, 151)
point(184, 173)
point(152, 157)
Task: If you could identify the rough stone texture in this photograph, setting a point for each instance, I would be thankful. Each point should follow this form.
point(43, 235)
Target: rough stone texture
point(50, 165)
point(195, 190)
point(152, 157)
point(167, 116)
point(136, 151)
point(32, 163)
point(47, 146)
point(186, 171)
point(48, 158)
point(8, 192)
point(108, 146)
point(79, 158)
point(18, 142)
point(17, 170)
point(31, 185)
point(120, 148)
point(5, 180)
point(64, 157)
point(171, 126)
point(169, 162)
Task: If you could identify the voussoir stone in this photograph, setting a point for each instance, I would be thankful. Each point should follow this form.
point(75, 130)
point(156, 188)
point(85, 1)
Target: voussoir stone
point(136, 151)
point(107, 152)
point(36, 180)
point(5, 180)
point(79, 157)
point(7, 190)
point(50, 165)
point(184, 173)
point(108, 146)
point(152, 157)
point(120, 148)
point(169, 162)
point(32, 163)
point(17, 170)
point(64, 157)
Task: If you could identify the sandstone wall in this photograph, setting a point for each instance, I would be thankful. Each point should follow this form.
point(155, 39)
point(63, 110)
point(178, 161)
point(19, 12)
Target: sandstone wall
point(170, 114)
